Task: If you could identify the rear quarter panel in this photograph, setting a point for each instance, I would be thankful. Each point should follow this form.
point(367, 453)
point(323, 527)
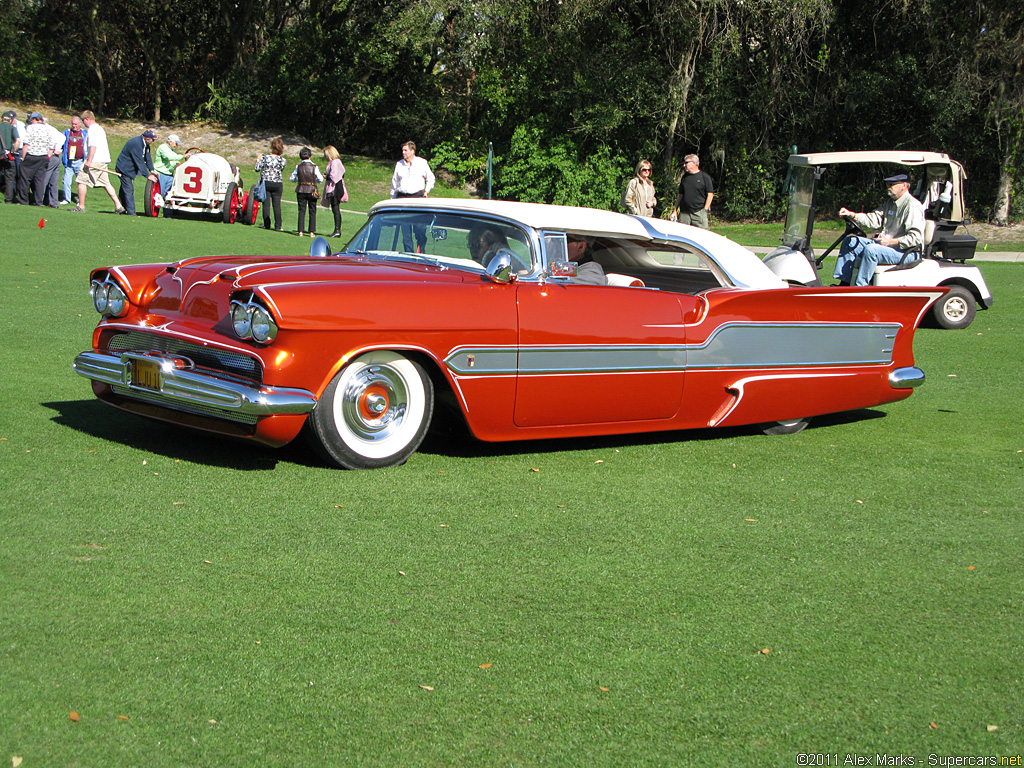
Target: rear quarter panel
point(762, 356)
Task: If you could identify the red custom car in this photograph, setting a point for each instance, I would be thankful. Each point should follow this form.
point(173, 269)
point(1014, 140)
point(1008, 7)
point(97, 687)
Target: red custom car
point(503, 310)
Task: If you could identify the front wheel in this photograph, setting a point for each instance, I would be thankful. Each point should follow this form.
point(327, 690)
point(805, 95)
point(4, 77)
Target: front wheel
point(956, 309)
point(150, 206)
point(250, 208)
point(374, 413)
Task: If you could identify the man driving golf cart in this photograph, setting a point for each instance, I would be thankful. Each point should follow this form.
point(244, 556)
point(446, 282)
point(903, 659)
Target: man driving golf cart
point(934, 179)
point(901, 221)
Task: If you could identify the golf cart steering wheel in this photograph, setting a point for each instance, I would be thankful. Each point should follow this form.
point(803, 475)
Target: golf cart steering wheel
point(852, 228)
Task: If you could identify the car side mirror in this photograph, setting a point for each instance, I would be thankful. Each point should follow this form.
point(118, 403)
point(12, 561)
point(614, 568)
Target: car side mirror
point(499, 269)
point(320, 248)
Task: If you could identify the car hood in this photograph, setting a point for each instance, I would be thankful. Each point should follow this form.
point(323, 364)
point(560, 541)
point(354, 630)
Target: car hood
point(246, 272)
point(199, 291)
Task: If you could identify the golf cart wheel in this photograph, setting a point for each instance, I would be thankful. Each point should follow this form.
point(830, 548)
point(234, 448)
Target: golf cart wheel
point(374, 413)
point(956, 309)
point(149, 203)
point(789, 427)
point(250, 207)
point(230, 204)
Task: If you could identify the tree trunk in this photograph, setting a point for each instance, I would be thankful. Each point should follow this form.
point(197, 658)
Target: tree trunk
point(1001, 208)
point(101, 92)
point(156, 94)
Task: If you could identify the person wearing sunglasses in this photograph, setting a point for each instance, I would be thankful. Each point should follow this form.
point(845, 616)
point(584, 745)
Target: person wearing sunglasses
point(639, 196)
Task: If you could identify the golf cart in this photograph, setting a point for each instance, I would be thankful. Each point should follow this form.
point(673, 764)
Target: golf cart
point(204, 183)
point(939, 187)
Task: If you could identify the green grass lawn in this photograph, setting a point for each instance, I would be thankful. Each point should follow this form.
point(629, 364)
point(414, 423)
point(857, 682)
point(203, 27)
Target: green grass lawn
point(714, 598)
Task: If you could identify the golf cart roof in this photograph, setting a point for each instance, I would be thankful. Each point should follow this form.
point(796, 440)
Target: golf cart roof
point(867, 156)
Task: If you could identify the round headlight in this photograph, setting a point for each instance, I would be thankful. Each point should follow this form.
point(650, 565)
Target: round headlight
point(117, 302)
point(99, 295)
point(263, 327)
point(240, 320)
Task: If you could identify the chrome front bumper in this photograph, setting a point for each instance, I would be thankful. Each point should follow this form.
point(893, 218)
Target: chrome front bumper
point(176, 383)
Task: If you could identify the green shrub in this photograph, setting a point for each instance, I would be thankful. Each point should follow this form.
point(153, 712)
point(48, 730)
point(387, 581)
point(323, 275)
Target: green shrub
point(543, 169)
point(751, 187)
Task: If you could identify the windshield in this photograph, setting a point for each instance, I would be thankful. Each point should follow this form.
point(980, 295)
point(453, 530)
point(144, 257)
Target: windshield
point(801, 203)
point(451, 239)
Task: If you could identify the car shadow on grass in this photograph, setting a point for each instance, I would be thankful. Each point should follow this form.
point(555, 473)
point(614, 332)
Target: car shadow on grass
point(452, 439)
point(447, 438)
point(98, 420)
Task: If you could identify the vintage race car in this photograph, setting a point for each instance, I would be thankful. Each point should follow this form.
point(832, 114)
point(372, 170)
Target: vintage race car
point(473, 304)
point(204, 183)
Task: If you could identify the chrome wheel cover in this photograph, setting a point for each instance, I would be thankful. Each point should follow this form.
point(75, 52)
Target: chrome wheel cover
point(379, 404)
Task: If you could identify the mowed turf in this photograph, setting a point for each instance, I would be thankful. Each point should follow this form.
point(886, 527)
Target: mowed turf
point(706, 598)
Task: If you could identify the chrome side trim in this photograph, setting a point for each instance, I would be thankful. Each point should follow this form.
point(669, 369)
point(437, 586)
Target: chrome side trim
point(906, 378)
point(180, 386)
point(733, 346)
point(756, 345)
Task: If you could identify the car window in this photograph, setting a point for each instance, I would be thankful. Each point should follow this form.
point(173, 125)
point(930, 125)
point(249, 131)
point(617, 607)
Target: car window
point(453, 238)
point(665, 267)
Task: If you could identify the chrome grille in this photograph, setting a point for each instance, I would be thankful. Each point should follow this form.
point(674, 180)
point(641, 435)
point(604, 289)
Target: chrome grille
point(207, 357)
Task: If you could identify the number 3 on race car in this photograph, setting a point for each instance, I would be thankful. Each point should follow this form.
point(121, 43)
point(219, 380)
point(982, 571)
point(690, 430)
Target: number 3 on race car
point(195, 182)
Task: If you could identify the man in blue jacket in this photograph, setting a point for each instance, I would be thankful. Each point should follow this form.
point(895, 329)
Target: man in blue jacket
point(76, 149)
point(134, 160)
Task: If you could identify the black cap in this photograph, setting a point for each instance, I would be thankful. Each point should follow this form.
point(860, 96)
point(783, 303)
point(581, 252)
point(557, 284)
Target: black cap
point(897, 178)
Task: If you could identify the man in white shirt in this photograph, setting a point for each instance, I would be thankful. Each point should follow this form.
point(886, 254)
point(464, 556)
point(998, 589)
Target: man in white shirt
point(94, 169)
point(412, 178)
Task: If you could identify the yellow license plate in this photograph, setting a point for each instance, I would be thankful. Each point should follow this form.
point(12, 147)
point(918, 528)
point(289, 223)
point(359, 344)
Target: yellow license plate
point(146, 374)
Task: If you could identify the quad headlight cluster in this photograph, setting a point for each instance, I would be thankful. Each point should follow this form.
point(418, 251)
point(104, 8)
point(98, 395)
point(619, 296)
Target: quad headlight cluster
point(251, 320)
point(108, 298)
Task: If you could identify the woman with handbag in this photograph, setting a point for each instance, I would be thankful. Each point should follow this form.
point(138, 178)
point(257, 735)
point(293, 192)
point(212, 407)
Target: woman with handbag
point(334, 189)
point(308, 191)
point(270, 168)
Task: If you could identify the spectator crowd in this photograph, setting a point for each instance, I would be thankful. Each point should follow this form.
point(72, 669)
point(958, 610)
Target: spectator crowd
point(33, 154)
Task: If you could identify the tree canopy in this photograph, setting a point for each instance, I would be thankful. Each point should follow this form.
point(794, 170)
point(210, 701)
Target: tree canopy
point(571, 93)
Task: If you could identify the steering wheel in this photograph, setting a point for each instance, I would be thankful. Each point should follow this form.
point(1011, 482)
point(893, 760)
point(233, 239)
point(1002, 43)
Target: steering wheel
point(852, 228)
point(190, 150)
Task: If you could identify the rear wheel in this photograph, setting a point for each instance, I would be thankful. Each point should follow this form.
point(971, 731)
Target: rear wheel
point(790, 427)
point(956, 309)
point(230, 205)
point(374, 413)
point(250, 207)
point(149, 204)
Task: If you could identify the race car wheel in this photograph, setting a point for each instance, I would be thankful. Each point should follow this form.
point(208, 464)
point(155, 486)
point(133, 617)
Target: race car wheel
point(956, 309)
point(250, 207)
point(149, 203)
point(790, 427)
point(374, 413)
point(230, 204)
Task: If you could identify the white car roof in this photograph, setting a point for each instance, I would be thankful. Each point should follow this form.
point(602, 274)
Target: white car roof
point(744, 268)
point(557, 218)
